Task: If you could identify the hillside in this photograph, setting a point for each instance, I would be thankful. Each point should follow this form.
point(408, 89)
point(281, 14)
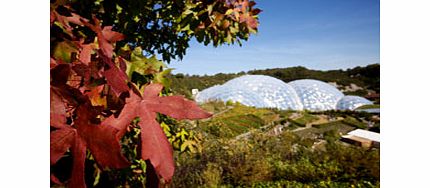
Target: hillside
point(364, 79)
point(244, 146)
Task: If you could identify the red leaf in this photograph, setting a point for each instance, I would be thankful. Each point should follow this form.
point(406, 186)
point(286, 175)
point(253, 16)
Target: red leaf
point(52, 63)
point(256, 11)
point(155, 145)
point(177, 107)
point(112, 36)
point(58, 109)
point(76, 19)
point(64, 20)
point(55, 180)
point(78, 170)
point(122, 64)
point(52, 17)
point(85, 55)
point(60, 74)
point(102, 141)
point(104, 45)
point(152, 91)
point(117, 79)
point(61, 141)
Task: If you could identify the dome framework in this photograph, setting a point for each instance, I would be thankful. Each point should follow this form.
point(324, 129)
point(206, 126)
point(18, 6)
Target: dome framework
point(268, 92)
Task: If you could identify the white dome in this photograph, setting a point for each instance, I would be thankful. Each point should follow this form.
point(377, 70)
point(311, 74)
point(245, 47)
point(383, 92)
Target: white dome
point(351, 102)
point(316, 95)
point(274, 92)
point(266, 91)
point(225, 94)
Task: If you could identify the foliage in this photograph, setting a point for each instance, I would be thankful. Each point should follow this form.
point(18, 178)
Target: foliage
point(369, 106)
point(166, 27)
point(305, 119)
point(235, 120)
point(311, 157)
point(101, 82)
point(283, 161)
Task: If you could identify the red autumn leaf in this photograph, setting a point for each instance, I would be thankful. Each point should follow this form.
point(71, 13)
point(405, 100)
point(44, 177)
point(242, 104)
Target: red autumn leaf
point(60, 74)
point(122, 64)
point(83, 71)
point(112, 36)
point(256, 11)
point(117, 79)
point(58, 109)
point(155, 145)
point(52, 63)
point(52, 17)
point(105, 36)
point(101, 140)
point(78, 169)
point(61, 141)
point(85, 55)
point(76, 19)
point(66, 20)
point(95, 95)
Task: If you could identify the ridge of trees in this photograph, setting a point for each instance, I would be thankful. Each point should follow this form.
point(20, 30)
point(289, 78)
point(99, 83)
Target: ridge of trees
point(367, 77)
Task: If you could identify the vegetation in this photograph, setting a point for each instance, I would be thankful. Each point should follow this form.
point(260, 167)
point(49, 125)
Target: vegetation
point(369, 106)
point(110, 99)
point(296, 157)
point(112, 106)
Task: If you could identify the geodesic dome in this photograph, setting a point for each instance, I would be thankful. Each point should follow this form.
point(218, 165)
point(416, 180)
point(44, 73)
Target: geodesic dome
point(351, 102)
point(266, 91)
point(316, 95)
point(274, 92)
point(225, 94)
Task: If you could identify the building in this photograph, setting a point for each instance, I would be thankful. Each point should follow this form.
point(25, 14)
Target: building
point(268, 92)
point(362, 138)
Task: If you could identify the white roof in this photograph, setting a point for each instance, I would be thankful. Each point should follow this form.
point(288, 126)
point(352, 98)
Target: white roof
point(365, 134)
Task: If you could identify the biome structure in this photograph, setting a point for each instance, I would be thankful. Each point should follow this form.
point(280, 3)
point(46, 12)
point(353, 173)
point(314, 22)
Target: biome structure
point(268, 92)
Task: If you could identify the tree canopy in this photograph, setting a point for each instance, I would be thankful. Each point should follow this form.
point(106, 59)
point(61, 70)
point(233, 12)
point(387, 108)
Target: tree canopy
point(166, 27)
point(109, 102)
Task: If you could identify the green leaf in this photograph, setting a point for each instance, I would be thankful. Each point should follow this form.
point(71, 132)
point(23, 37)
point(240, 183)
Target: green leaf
point(166, 129)
point(188, 144)
point(63, 51)
point(143, 65)
point(162, 79)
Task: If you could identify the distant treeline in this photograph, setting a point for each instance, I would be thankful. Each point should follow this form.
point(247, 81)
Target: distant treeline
point(366, 77)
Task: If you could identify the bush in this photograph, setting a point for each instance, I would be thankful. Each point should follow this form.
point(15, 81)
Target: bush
point(281, 161)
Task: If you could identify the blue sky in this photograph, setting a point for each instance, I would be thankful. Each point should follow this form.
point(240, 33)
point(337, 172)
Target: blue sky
point(317, 34)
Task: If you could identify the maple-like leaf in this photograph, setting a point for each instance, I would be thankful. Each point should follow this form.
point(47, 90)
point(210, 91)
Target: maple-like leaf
point(58, 109)
point(105, 36)
point(85, 55)
point(155, 146)
point(102, 140)
point(111, 36)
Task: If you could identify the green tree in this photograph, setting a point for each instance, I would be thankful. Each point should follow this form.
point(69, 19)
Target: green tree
point(166, 27)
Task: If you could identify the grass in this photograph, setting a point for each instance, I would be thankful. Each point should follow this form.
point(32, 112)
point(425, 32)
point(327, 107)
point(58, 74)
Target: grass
point(369, 106)
point(306, 118)
point(230, 121)
point(354, 122)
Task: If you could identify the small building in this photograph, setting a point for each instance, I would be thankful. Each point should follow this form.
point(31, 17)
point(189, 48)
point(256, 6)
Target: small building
point(362, 138)
point(194, 92)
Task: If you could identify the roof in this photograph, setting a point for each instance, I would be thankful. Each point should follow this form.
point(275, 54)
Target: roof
point(365, 134)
